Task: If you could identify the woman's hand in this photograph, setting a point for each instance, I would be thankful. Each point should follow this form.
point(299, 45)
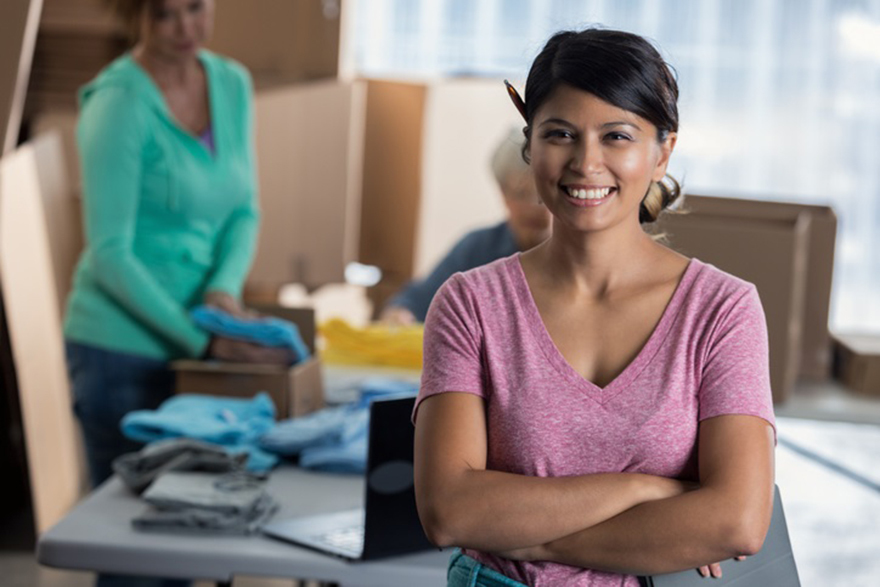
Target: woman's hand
point(239, 351)
point(397, 316)
point(224, 301)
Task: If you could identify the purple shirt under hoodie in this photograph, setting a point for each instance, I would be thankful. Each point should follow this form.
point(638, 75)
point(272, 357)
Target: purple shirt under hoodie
point(707, 356)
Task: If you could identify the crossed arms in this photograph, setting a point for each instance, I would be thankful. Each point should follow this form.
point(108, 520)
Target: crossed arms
point(616, 522)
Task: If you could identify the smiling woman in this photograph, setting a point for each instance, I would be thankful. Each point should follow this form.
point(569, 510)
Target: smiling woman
point(597, 407)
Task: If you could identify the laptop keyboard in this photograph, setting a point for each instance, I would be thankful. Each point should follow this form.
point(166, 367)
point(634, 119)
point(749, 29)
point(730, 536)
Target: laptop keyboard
point(351, 538)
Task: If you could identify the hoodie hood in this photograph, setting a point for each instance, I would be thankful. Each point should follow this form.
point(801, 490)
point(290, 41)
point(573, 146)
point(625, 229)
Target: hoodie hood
point(125, 73)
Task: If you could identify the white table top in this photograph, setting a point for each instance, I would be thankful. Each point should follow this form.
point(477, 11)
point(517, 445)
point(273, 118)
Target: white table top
point(97, 536)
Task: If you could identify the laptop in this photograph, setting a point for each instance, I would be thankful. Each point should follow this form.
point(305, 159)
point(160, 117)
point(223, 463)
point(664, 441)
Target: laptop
point(773, 565)
point(388, 524)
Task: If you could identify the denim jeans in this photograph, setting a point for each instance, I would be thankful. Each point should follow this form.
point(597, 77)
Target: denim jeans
point(107, 385)
point(464, 571)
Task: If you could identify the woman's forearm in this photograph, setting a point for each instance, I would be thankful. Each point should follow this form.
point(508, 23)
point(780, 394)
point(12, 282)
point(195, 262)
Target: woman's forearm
point(683, 532)
point(495, 511)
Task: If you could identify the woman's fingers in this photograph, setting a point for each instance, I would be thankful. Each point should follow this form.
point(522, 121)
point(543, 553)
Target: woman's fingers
point(713, 570)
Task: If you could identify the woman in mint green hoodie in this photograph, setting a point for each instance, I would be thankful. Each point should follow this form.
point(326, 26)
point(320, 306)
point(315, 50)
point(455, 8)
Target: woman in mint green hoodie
point(171, 218)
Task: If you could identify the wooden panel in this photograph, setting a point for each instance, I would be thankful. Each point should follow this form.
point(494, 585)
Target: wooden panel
point(20, 20)
point(29, 291)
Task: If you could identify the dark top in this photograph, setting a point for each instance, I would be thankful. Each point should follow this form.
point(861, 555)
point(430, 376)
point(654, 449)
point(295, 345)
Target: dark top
point(477, 248)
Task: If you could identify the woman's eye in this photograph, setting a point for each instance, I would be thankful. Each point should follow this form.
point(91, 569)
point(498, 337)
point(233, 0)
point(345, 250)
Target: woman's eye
point(558, 134)
point(618, 136)
point(197, 6)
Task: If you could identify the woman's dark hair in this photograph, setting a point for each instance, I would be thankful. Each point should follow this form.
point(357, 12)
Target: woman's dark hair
point(620, 68)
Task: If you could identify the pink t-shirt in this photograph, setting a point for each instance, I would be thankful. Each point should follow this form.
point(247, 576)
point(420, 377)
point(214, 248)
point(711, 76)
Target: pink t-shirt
point(707, 356)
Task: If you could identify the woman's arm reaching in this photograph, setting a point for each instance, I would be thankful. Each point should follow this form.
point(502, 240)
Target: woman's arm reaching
point(462, 503)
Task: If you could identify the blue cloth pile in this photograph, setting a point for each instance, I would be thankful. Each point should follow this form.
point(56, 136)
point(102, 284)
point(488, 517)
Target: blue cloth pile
point(233, 423)
point(267, 331)
point(334, 439)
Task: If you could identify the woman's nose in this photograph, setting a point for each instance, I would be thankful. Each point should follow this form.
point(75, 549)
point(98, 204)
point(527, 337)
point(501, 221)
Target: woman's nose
point(586, 158)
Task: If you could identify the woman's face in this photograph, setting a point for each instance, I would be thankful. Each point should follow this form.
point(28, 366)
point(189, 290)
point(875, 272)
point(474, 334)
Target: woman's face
point(594, 162)
point(175, 30)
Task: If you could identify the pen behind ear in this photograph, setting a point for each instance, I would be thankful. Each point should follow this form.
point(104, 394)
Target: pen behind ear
point(517, 100)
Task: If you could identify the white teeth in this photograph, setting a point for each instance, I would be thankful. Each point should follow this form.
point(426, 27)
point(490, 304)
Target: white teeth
point(584, 194)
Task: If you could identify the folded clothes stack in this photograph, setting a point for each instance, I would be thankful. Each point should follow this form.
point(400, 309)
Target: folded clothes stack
point(230, 503)
point(232, 423)
point(377, 344)
point(265, 330)
point(334, 439)
point(138, 469)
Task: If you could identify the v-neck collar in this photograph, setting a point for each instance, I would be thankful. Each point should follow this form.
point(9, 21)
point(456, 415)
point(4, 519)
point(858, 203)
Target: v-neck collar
point(159, 100)
point(635, 367)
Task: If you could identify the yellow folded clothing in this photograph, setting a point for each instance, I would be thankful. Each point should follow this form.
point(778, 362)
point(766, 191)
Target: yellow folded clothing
point(377, 344)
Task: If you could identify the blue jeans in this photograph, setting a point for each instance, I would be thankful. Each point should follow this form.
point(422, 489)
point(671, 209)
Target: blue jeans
point(464, 571)
point(106, 386)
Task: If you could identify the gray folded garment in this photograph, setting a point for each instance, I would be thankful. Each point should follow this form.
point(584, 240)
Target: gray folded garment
point(138, 469)
point(234, 503)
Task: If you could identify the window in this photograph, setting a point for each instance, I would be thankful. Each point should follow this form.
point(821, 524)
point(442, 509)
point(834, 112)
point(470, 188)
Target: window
point(780, 99)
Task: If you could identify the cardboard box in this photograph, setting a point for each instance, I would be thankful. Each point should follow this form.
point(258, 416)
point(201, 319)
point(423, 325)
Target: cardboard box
point(815, 360)
point(31, 308)
point(295, 390)
point(857, 362)
point(769, 252)
point(281, 41)
point(427, 179)
point(309, 142)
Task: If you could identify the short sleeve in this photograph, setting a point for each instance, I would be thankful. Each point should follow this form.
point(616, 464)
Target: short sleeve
point(452, 351)
point(736, 372)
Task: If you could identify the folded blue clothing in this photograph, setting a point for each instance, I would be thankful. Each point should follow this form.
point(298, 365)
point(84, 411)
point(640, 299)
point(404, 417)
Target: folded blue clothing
point(344, 458)
point(267, 331)
point(233, 423)
point(334, 439)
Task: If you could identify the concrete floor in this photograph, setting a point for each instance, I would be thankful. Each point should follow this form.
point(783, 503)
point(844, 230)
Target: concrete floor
point(829, 449)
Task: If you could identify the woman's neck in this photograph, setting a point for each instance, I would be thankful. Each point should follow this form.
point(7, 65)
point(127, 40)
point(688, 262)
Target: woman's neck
point(167, 72)
point(597, 263)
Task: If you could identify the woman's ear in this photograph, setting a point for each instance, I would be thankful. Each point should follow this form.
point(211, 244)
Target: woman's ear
point(666, 148)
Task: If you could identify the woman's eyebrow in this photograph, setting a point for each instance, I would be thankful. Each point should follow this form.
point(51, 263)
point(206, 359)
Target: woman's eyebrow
point(606, 125)
point(556, 121)
point(621, 123)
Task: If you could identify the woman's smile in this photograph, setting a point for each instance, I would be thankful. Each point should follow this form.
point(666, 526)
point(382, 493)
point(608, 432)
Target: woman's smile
point(585, 196)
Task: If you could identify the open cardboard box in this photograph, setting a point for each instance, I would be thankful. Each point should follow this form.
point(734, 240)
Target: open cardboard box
point(769, 252)
point(857, 362)
point(296, 390)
